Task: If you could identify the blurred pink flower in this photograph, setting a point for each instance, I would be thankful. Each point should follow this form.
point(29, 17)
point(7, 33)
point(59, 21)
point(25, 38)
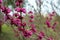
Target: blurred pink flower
point(24, 24)
point(33, 30)
point(16, 22)
point(23, 10)
point(41, 35)
point(48, 23)
point(20, 17)
point(21, 29)
point(31, 20)
point(32, 25)
point(6, 10)
point(30, 12)
point(16, 14)
point(20, 10)
point(18, 2)
point(17, 9)
point(1, 1)
point(31, 16)
point(54, 25)
point(27, 33)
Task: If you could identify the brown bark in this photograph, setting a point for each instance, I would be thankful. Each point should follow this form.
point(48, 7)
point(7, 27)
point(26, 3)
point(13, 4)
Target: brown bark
point(0, 29)
point(0, 26)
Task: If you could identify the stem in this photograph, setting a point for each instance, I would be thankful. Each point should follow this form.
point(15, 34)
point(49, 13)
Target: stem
point(0, 26)
point(15, 31)
point(0, 29)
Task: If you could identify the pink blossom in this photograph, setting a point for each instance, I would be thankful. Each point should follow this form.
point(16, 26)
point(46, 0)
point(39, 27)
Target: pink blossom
point(31, 16)
point(48, 24)
point(30, 12)
point(52, 14)
point(31, 20)
point(7, 17)
point(41, 35)
point(54, 25)
point(20, 10)
point(20, 17)
point(17, 9)
point(16, 14)
point(24, 24)
point(16, 22)
point(23, 10)
point(21, 29)
point(33, 29)
point(32, 25)
point(18, 2)
point(1, 1)
point(27, 33)
point(6, 10)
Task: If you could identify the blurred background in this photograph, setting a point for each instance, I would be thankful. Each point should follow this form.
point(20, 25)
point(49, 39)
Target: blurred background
point(41, 9)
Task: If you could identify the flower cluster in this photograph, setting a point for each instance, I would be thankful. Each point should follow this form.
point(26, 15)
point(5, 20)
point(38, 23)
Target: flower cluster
point(0, 1)
point(19, 2)
point(17, 20)
point(27, 33)
point(20, 10)
point(49, 19)
point(31, 16)
point(5, 10)
point(41, 35)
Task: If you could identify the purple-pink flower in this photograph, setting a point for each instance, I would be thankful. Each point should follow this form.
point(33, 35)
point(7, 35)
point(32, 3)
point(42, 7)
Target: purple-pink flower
point(6, 10)
point(18, 2)
point(54, 25)
point(30, 12)
point(20, 10)
point(16, 22)
point(21, 29)
point(1, 1)
point(23, 24)
point(17, 9)
point(31, 16)
point(33, 29)
point(41, 35)
point(23, 10)
point(16, 14)
point(27, 33)
point(48, 23)
point(6, 17)
point(31, 20)
point(20, 17)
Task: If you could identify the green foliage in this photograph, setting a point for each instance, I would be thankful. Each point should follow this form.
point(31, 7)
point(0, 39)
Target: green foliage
point(7, 33)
